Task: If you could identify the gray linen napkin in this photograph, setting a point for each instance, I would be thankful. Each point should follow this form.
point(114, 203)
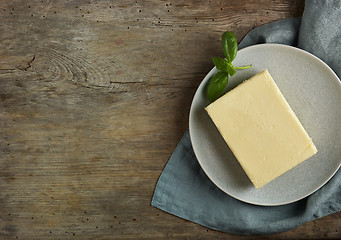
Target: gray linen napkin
point(184, 190)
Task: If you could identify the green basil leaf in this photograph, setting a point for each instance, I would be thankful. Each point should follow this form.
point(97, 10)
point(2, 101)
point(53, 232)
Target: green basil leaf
point(217, 85)
point(220, 63)
point(230, 69)
point(223, 65)
point(230, 46)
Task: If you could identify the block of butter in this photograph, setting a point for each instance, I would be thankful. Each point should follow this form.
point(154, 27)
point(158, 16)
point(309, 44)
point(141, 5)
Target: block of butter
point(261, 129)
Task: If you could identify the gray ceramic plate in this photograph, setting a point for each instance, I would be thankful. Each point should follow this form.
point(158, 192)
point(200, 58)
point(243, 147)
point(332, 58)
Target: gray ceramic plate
point(313, 91)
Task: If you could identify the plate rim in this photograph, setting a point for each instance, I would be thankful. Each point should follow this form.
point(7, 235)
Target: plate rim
point(205, 79)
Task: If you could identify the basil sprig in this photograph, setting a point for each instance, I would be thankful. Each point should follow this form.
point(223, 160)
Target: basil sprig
point(219, 81)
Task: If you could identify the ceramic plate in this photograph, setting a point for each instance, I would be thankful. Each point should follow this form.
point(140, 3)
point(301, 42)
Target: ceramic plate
point(312, 90)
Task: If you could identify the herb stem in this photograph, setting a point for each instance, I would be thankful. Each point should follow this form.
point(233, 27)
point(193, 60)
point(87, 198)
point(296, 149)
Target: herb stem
point(243, 67)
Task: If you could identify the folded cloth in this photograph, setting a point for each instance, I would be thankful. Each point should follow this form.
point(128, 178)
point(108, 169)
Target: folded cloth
point(184, 190)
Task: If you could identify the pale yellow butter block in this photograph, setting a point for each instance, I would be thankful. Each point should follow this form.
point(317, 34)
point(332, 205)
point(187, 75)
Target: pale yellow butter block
point(261, 129)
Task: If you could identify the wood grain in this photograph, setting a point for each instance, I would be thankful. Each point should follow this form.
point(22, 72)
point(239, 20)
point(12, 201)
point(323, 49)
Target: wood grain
point(94, 97)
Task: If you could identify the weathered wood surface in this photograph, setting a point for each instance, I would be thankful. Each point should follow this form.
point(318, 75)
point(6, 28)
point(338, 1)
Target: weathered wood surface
point(94, 97)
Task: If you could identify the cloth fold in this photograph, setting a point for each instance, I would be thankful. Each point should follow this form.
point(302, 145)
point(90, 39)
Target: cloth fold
point(184, 190)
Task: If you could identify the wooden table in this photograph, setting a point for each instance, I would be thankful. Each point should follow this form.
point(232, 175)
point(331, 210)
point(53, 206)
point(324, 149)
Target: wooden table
point(94, 97)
